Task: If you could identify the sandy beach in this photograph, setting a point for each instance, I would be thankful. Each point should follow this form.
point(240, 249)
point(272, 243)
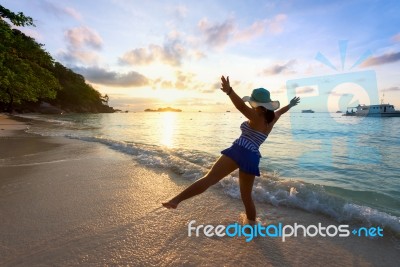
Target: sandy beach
point(66, 202)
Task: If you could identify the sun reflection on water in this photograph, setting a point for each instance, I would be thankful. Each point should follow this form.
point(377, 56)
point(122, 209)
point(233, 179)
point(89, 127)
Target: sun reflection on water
point(168, 121)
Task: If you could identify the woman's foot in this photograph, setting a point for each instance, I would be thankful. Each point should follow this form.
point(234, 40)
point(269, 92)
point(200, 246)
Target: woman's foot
point(170, 204)
point(251, 222)
point(244, 220)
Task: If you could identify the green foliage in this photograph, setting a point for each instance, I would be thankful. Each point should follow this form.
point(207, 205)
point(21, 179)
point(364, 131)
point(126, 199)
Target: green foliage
point(25, 69)
point(76, 92)
point(28, 73)
point(18, 19)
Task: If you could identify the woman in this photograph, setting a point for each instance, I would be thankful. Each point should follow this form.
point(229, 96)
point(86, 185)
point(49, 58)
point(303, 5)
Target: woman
point(244, 153)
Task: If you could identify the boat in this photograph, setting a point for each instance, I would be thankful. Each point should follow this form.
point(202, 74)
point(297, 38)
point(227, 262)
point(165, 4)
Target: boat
point(307, 111)
point(381, 110)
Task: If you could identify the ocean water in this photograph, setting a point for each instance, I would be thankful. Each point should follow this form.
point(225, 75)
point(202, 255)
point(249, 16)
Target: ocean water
point(342, 167)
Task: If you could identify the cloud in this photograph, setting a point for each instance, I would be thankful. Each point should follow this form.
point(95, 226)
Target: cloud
point(171, 52)
point(73, 56)
point(216, 34)
point(396, 38)
point(180, 11)
point(282, 89)
point(392, 89)
point(167, 84)
point(216, 87)
point(112, 78)
point(211, 89)
point(275, 25)
point(184, 81)
point(279, 68)
point(338, 94)
point(81, 41)
point(125, 102)
point(256, 29)
point(177, 48)
point(197, 54)
point(140, 56)
point(305, 90)
point(83, 36)
point(59, 11)
point(381, 60)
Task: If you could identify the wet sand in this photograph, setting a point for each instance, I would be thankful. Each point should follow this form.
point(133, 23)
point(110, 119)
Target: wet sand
point(68, 202)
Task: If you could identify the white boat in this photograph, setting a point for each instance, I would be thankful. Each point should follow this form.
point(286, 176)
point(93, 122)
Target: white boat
point(382, 110)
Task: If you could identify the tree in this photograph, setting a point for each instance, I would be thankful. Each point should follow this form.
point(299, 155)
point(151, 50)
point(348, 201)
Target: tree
point(29, 74)
point(105, 99)
point(76, 94)
point(25, 69)
point(18, 19)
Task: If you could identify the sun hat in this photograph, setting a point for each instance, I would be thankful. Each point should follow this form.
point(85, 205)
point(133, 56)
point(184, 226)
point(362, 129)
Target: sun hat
point(261, 97)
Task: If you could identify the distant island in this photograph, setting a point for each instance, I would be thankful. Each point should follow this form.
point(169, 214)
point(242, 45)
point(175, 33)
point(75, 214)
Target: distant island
point(168, 109)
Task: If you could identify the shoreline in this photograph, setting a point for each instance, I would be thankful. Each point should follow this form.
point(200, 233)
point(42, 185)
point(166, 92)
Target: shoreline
point(341, 204)
point(68, 202)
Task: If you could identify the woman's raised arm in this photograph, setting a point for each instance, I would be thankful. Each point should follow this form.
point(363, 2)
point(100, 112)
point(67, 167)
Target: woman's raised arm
point(237, 101)
point(285, 109)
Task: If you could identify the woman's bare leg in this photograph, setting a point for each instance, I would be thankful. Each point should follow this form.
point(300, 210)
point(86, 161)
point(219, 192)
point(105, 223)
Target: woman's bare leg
point(246, 182)
point(221, 168)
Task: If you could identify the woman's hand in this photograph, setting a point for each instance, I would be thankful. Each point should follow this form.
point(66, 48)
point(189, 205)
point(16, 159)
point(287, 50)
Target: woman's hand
point(226, 87)
point(294, 101)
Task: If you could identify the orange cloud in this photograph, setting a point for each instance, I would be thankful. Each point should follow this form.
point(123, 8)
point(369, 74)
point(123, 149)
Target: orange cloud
point(274, 25)
point(83, 36)
point(396, 38)
point(279, 68)
point(171, 53)
point(81, 41)
point(59, 11)
point(383, 59)
point(102, 76)
point(216, 34)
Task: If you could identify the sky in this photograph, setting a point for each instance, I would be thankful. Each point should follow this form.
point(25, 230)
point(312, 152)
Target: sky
point(151, 54)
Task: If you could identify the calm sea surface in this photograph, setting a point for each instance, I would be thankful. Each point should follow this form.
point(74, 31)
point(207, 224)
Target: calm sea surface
point(344, 167)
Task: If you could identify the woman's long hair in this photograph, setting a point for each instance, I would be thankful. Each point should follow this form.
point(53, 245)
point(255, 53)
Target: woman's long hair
point(268, 114)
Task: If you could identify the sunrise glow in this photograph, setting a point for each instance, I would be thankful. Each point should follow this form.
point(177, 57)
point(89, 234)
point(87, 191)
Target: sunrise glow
point(157, 53)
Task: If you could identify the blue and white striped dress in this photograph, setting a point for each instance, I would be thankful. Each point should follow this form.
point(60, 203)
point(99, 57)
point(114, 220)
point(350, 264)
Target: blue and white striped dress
point(250, 138)
point(244, 150)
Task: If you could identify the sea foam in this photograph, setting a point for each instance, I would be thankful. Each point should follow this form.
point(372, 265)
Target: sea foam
point(269, 188)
